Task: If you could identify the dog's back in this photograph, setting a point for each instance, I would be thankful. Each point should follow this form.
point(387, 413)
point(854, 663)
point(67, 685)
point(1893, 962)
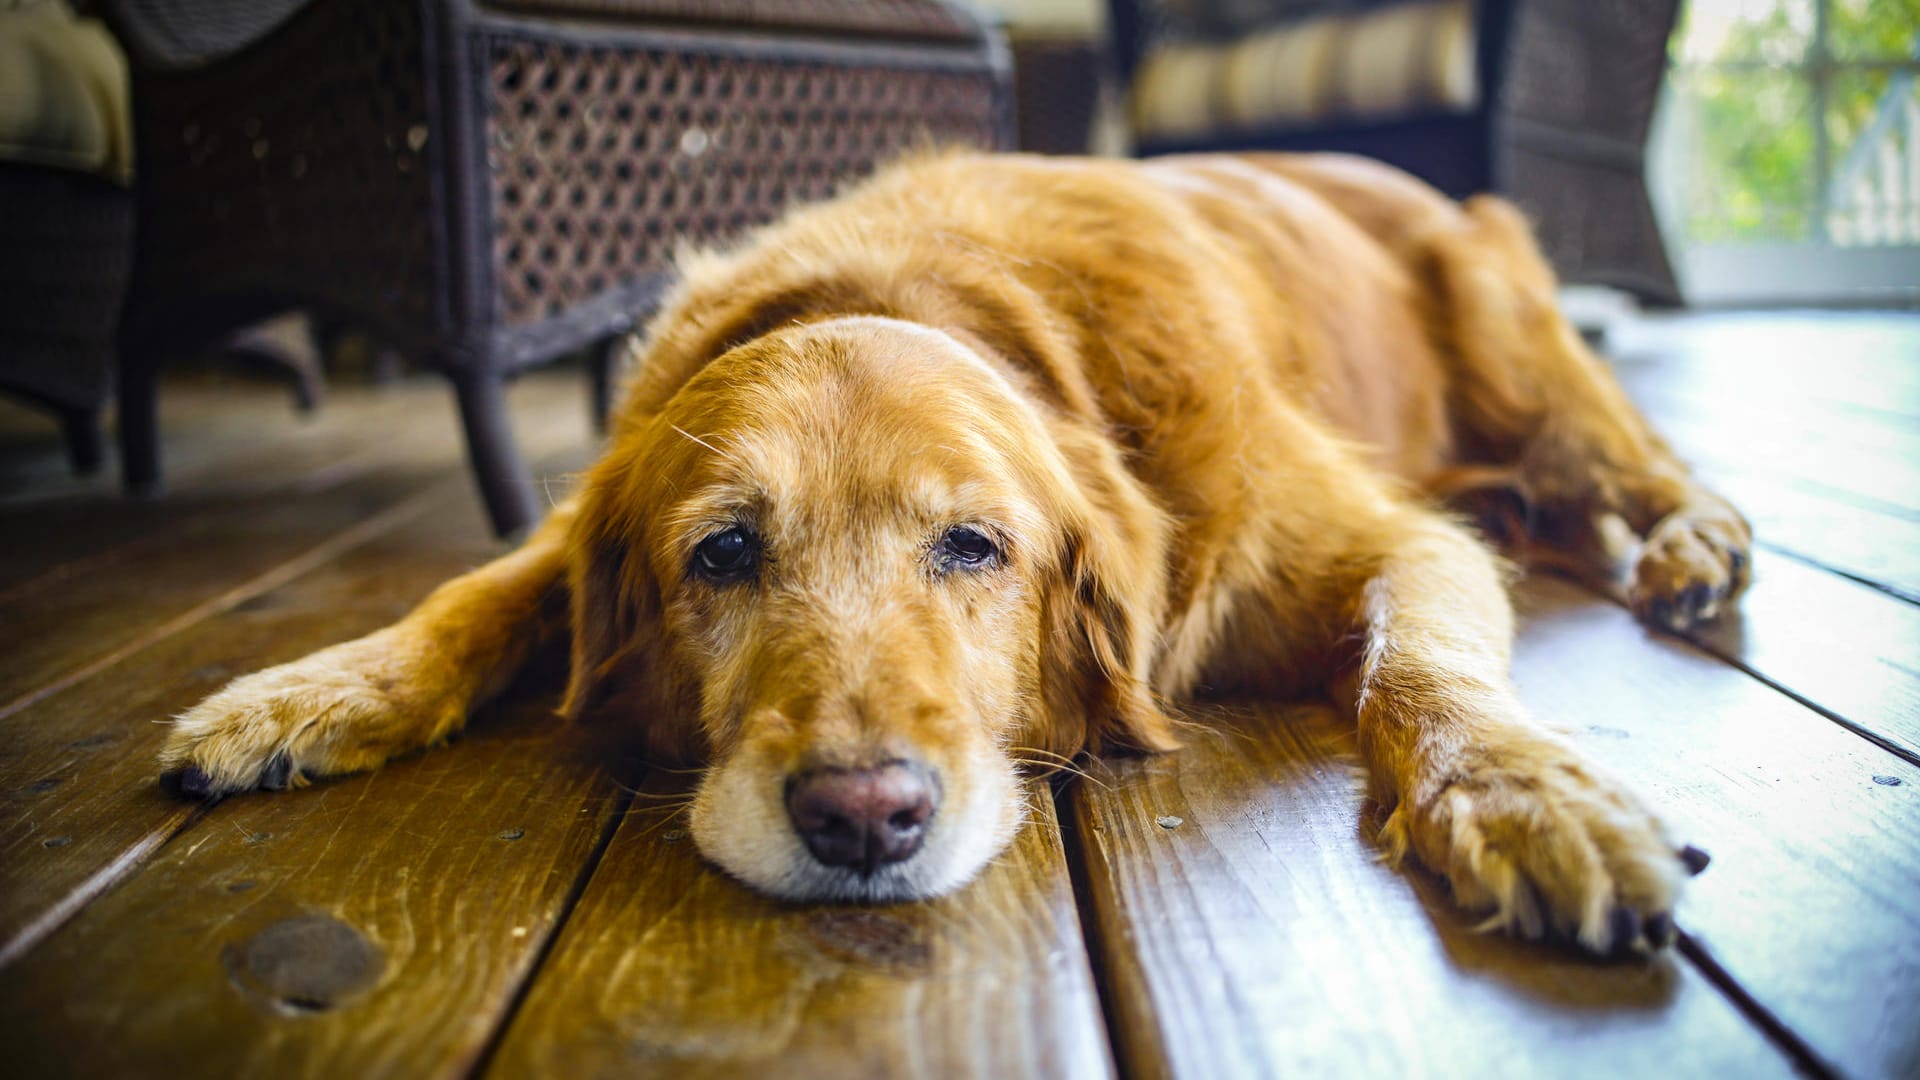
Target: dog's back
point(1307, 293)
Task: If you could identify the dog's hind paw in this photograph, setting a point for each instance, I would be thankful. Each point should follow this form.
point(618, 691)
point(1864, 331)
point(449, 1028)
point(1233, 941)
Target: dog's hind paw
point(340, 710)
point(1689, 571)
point(1533, 836)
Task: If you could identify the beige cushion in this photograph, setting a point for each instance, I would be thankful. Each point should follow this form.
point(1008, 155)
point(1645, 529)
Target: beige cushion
point(63, 93)
point(1368, 66)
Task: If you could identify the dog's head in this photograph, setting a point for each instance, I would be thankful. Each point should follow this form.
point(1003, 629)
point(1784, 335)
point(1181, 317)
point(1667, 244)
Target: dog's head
point(862, 578)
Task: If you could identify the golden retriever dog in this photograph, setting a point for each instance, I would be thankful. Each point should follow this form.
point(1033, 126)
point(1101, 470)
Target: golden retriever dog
point(1003, 457)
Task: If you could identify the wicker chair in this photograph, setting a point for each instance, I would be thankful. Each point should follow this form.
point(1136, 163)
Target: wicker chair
point(1566, 90)
point(491, 187)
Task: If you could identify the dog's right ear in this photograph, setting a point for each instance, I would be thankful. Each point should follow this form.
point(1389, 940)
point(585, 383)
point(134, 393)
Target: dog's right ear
point(609, 593)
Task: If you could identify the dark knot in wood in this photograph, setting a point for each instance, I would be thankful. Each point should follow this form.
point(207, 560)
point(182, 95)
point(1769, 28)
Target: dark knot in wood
point(306, 964)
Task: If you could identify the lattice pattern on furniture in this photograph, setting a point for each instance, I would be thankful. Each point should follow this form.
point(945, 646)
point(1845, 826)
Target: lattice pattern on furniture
point(604, 159)
point(895, 18)
point(250, 167)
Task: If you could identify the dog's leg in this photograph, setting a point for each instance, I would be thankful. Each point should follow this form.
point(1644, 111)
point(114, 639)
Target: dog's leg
point(1516, 819)
point(357, 704)
point(1528, 389)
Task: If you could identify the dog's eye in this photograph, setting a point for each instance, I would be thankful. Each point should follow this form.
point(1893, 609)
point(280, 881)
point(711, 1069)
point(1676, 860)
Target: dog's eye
point(967, 548)
point(729, 553)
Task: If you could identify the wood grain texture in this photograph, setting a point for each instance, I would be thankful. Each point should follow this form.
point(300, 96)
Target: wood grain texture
point(80, 766)
point(71, 615)
point(1247, 928)
point(370, 926)
point(1819, 450)
point(1854, 365)
point(228, 444)
point(1851, 651)
point(669, 968)
point(1866, 545)
point(1811, 900)
point(1809, 424)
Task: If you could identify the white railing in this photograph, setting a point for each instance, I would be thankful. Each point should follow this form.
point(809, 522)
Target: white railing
point(1874, 200)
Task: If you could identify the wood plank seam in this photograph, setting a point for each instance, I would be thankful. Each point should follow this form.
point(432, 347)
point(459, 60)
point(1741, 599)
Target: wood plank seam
point(133, 858)
point(483, 1063)
point(1814, 561)
point(320, 480)
point(91, 889)
point(1706, 645)
point(1803, 1056)
point(386, 520)
point(1092, 936)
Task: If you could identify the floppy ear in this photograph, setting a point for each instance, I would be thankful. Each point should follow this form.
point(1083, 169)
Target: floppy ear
point(620, 663)
point(1103, 610)
point(605, 610)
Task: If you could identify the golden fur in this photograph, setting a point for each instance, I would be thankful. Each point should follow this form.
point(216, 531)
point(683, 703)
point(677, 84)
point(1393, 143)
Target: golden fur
point(1203, 407)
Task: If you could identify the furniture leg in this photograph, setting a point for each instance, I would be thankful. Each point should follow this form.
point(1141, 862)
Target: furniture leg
point(604, 367)
point(139, 422)
point(80, 425)
point(505, 482)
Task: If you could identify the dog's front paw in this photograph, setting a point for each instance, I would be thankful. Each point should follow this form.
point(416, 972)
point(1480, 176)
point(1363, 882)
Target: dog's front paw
point(1530, 833)
point(1689, 571)
point(340, 710)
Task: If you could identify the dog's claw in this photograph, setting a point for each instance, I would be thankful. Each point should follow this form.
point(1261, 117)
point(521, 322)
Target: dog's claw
point(278, 773)
point(1623, 928)
point(188, 782)
point(1660, 929)
point(1695, 859)
point(1696, 600)
point(1662, 611)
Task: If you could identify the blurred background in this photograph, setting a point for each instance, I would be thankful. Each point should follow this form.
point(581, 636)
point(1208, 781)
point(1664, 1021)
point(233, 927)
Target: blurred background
point(331, 191)
point(1786, 154)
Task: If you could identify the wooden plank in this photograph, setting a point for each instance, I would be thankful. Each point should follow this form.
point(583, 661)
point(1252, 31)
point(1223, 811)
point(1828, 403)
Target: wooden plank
point(375, 925)
point(82, 760)
point(1813, 900)
point(80, 764)
point(1814, 448)
point(64, 631)
point(223, 439)
point(228, 447)
point(110, 589)
point(1248, 929)
point(66, 624)
point(1850, 651)
point(669, 968)
point(1810, 424)
point(1863, 544)
point(1859, 364)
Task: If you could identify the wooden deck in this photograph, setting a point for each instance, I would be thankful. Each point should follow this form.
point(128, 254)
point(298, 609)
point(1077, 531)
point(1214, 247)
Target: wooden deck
point(513, 907)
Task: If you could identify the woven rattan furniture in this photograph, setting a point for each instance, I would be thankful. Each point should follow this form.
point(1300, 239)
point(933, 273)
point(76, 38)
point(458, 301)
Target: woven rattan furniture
point(1566, 90)
point(491, 187)
point(65, 242)
point(66, 215)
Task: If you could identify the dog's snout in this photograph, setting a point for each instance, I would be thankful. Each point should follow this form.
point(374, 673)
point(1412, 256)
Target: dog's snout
point(863, 819)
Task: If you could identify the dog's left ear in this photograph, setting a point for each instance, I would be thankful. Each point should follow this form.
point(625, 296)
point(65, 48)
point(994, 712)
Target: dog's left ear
point(1103, 609)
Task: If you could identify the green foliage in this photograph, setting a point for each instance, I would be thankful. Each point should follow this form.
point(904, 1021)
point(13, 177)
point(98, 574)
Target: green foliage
point(1753, 178)
point(1752, 174)
point(1872, 29)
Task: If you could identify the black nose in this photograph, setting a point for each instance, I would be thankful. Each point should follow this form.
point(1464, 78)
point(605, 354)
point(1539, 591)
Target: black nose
point(863, 819)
